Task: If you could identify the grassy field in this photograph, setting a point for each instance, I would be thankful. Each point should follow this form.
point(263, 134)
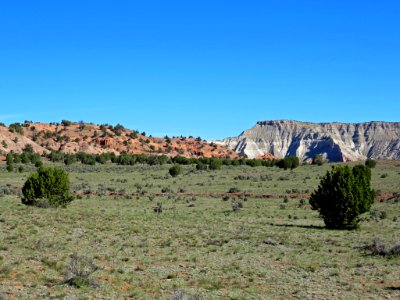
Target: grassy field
point(202, 245)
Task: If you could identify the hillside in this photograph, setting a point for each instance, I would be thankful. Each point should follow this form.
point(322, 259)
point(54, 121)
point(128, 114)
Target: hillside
point(69, 137)
point(336, 141)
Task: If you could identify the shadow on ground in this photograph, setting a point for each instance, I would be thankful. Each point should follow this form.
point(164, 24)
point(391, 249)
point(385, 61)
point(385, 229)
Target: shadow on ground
point(298, 226)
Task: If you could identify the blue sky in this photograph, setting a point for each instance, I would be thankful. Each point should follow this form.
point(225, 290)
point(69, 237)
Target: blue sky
point(201, 68)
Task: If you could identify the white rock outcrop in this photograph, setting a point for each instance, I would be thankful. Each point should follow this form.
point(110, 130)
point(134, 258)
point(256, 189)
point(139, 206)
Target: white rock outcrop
point(337, 141)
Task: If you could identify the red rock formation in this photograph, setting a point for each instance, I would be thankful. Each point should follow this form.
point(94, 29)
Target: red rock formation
point(96, 139)
point(267, 156)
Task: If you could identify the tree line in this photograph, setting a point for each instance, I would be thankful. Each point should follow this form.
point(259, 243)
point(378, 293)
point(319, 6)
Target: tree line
point(202, 163)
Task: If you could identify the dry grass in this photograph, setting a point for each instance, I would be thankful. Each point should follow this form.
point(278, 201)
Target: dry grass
point(197, 247)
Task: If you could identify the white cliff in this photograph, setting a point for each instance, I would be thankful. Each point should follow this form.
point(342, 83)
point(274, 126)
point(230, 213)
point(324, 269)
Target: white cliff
point(337, 141)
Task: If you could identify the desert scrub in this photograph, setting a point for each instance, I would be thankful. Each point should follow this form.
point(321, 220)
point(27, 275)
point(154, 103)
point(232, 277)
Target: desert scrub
point(149, 255)
point(78, 272)
point(378, 248)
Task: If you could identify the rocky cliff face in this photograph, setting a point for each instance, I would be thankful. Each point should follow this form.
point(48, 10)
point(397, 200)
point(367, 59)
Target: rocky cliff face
point(337, 141)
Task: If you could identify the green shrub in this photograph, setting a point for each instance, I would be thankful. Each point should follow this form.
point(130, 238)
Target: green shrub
point(66, 123)
point(16, 127)
point(10, 158)
point(28, 148)
point(370, 163)
point(201, 166)
point(175, 170)
point(318, 159)
point(343, 194)
point(234, 190)
point(50, 184)
point(38, 164)
point(10, 167)
point(215, 164)
point(290, 162)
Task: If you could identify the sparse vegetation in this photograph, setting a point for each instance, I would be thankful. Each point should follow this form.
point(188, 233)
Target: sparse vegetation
point(79, 270)
point(16, 127)
point(196, 242)
point(378, 248)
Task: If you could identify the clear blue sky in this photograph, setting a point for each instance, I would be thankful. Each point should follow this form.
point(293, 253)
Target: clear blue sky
point(202, 68)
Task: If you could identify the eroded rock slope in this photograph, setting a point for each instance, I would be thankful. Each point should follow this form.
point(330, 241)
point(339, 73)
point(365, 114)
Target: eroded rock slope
point(336, 141)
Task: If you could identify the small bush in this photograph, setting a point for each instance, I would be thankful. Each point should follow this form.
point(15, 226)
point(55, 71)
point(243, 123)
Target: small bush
point(10, 167)
point(215, 164)
point(237, 206)
point(377, 214)
point(377, 248)
point(175, 170)
point(66, 123)
point(78, 272)
point(51, 184)
point(234, 190)
point(225, 198)
point(370, 163)
point(200, 166)
point(158, 209)
point(318, 159)
point(166, 190)
point(182, 295)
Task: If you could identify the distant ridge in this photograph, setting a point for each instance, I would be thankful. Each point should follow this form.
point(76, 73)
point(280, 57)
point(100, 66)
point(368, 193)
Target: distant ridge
point(74, 137)
point(336, 141)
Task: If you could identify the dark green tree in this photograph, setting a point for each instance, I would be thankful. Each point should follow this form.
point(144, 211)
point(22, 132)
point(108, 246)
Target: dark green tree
point(343, 194)
point(17, 158)
point(285, 163)
point(38, 163)
point(201, 166)
point(175, 170)
point(66, 123)
point(10, 158)
point(25, 158)
point(370, 163)
point(295, 162)
point(47, 184)
point(69, 159)
point(254, 162)
point(10, 167)
point(28, 148)
point(215, 164)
